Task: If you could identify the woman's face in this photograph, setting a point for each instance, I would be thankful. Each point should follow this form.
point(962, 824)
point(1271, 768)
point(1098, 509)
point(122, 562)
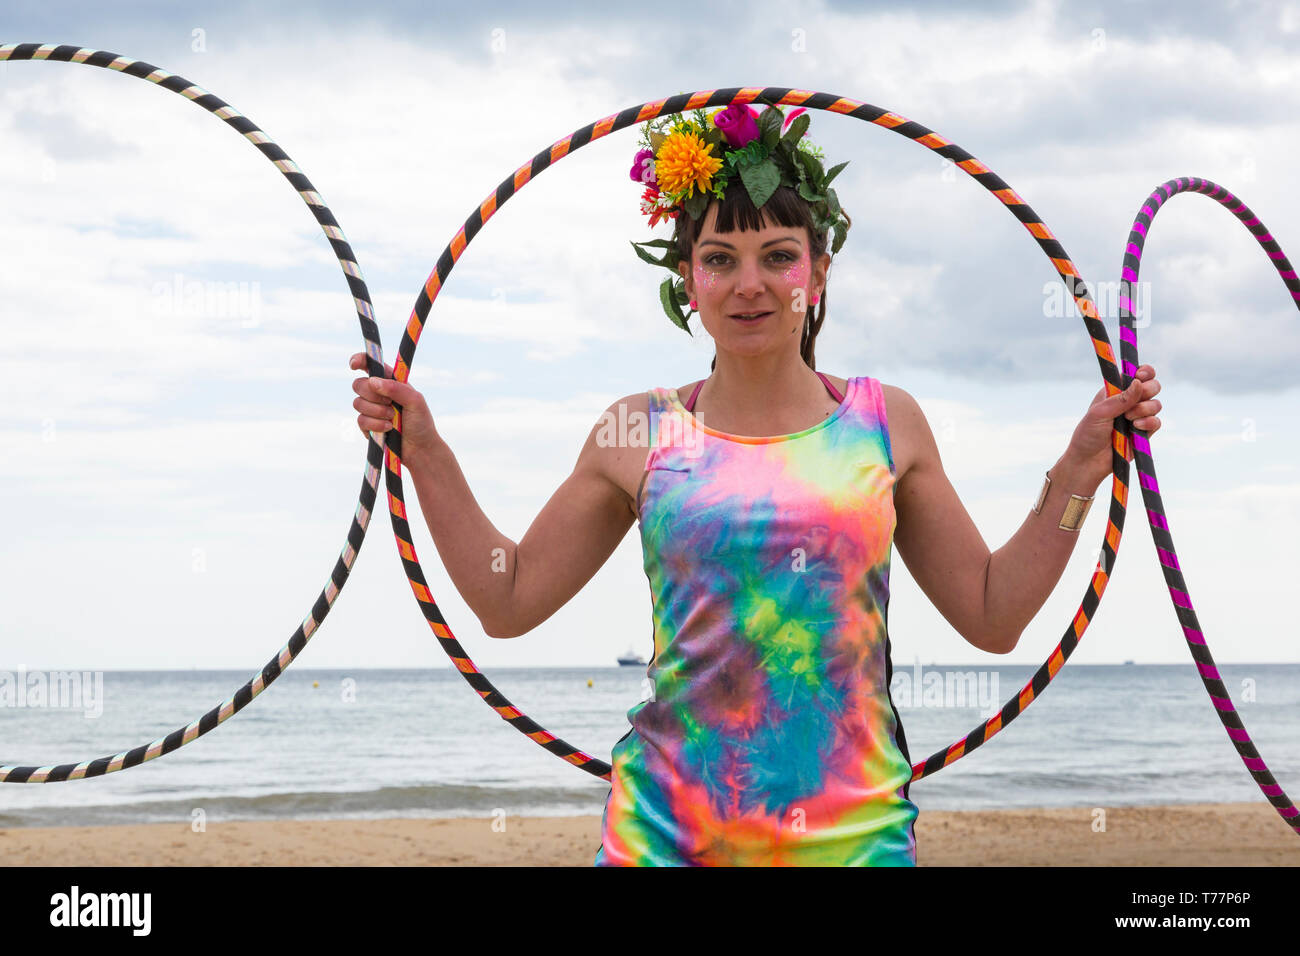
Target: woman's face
point(742, 272)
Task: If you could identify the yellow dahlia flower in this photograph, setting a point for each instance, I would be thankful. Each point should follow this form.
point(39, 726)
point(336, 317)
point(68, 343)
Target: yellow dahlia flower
point(685, 163)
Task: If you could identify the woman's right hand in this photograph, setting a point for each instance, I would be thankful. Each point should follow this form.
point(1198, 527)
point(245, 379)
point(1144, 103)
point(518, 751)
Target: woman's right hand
point(374, 402)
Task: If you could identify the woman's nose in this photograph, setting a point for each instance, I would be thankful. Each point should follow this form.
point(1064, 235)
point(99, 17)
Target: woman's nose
point(749, 279)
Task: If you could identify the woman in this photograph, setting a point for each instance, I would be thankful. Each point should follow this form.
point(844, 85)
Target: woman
point(769, 496)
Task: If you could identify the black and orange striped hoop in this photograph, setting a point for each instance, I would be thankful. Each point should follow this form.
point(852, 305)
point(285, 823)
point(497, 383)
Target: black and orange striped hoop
point(374, 452)
point(1123, 435)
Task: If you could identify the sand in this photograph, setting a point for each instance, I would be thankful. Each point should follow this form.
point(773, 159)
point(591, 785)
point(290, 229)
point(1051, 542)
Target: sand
point(1228, 834)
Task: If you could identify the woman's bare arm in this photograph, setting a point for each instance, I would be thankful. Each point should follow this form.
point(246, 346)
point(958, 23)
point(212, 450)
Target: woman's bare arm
point(988, 597)
point(512, 588)
point(1023, 572)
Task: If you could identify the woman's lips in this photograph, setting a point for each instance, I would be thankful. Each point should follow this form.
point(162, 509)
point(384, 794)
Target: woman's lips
point(756, 318)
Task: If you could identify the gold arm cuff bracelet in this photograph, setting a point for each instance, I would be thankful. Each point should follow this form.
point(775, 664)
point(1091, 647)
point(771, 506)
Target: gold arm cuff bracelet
point(1076, 509)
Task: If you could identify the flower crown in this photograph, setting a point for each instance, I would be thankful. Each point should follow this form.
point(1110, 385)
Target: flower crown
point(685, 162)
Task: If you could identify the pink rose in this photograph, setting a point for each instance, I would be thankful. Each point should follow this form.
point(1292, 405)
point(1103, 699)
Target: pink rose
point(788, 119)
point(738, 124)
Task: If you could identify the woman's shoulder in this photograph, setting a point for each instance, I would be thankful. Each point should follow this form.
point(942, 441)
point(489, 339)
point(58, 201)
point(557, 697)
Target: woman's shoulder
point(618, 445)
point(899, 405)
point(899, 398)
point(908, 427)
point(629, 410)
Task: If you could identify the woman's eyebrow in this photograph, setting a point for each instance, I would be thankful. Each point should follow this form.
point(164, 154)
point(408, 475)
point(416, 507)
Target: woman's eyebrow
point(770, 242)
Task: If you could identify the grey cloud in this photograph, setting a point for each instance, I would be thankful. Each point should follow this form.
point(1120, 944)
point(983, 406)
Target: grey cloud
point(66, 138)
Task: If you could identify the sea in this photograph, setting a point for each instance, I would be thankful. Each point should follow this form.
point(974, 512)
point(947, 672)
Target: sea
point(368, 744)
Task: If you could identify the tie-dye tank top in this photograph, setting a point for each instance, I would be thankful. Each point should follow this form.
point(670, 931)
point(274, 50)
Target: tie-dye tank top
point(768, 736)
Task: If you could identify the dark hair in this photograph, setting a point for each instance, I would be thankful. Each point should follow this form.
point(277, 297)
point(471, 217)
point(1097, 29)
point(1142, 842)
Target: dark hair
point(736, 211)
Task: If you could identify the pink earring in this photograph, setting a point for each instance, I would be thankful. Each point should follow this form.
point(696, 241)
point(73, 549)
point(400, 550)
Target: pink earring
point(816, 299)
point(694, 306)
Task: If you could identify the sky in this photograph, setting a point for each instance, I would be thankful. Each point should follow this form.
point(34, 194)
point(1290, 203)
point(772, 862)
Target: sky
point(180, 475)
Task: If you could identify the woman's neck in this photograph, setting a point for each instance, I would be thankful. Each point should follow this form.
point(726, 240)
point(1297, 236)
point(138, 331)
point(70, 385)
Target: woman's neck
point(759, 388)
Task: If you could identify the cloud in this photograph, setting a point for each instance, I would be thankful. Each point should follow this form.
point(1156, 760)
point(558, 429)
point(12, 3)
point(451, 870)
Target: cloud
point(405, 122)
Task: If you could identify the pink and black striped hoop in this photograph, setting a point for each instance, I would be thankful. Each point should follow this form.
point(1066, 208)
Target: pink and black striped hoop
point(1115, 382)
point(374, 453)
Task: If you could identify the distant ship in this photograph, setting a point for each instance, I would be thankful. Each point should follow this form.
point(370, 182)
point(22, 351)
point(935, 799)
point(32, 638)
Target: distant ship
point(629, 658)
point(1128, 662)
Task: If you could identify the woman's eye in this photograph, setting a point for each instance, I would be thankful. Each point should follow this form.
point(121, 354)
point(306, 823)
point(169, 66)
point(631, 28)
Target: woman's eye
point(784, 257)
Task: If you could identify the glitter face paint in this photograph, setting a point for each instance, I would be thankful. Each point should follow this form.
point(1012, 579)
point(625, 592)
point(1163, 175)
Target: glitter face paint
point(796, 278)
point(706, 280)
point(797, 274)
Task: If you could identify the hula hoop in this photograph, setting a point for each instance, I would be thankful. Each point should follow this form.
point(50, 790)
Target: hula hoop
point(375, 364)
point(1169, 566)
point(1123, 434)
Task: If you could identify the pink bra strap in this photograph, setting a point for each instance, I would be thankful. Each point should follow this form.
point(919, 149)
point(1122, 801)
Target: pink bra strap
point(831, 388)
point(690, 403)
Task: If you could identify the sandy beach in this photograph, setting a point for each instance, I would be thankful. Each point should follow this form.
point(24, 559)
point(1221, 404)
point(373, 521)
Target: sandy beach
point(1229, 834)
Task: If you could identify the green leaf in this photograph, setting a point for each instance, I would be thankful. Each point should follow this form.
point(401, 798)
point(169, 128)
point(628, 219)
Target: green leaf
point(760, 181)
point(834, 171)
point(796, 130)
point(646, 257)
point(714, 137)
point(769, 126)
point(696, 203)
point(833, 203)
point(808, 192)
point(751, 154)
point(800, 171)
point(811, 167)
point(668, 299)
point(840, 230)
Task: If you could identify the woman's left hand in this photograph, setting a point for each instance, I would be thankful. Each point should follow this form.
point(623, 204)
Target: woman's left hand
point(1091, 442)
